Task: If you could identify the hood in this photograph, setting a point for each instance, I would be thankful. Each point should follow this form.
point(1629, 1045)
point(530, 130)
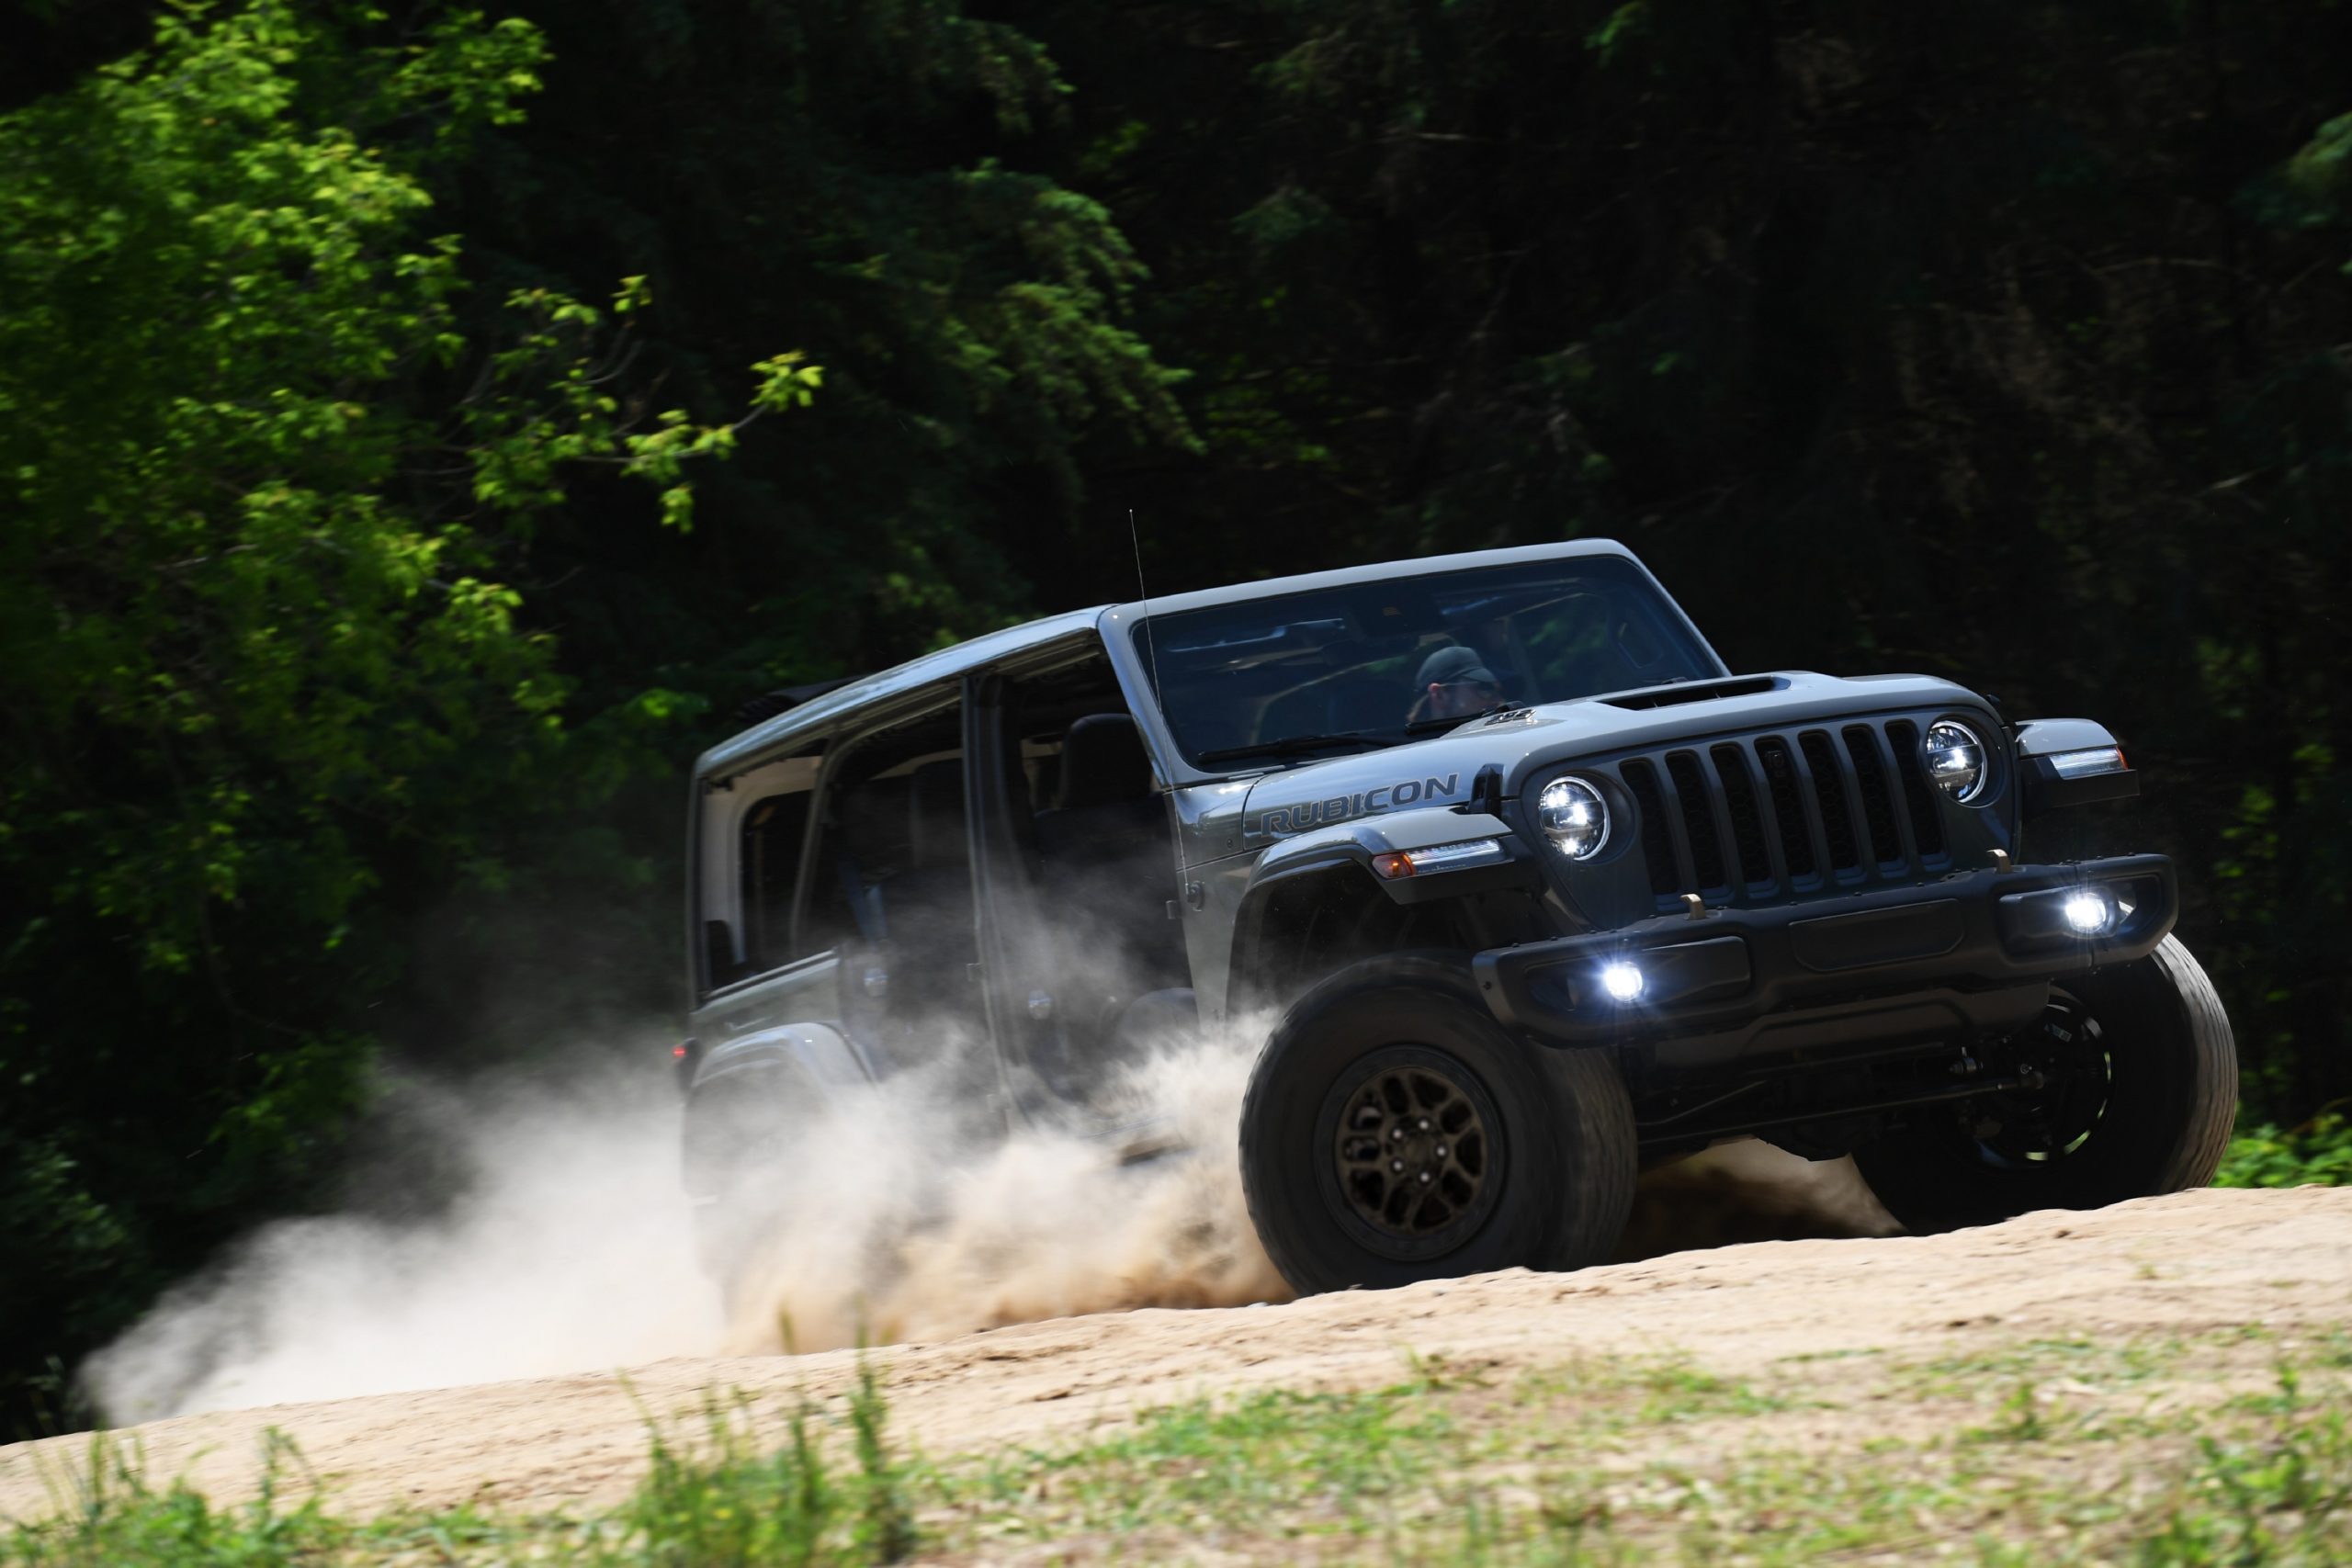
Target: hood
point(1440, 770)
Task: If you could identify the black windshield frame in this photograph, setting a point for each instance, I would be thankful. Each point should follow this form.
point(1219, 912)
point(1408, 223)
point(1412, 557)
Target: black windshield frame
point(1244, 679)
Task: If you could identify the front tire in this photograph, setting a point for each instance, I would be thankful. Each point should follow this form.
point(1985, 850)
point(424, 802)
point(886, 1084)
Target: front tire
point(2134, 1091)
point(1394, 1132)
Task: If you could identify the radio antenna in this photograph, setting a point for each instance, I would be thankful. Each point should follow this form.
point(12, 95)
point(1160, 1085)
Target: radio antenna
point(1175, 828)
point(1134, 539)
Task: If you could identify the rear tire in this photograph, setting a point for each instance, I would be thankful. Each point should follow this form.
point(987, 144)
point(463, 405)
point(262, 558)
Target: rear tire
point(2139, 1092)
point(736, 1136)
point(1394, 1132)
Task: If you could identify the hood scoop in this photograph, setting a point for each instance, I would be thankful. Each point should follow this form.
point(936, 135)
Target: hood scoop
point(1697, 691)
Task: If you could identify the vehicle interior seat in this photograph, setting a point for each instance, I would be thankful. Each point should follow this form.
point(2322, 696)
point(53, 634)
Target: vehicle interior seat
point(929, 903)
point(1103, 801)
point(1107, 864)
point(864, 847)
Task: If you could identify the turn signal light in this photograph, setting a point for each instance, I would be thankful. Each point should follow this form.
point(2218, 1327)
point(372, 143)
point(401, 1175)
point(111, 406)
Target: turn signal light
point(1440, 857)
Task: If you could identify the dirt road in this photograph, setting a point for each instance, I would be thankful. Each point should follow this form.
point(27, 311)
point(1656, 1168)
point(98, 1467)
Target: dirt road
point(2187, 1264)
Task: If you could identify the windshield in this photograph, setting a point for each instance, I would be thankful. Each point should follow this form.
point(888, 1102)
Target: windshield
point(1302, 675)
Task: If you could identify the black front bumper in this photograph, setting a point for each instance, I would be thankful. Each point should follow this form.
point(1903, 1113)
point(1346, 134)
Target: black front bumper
point(1968, 949)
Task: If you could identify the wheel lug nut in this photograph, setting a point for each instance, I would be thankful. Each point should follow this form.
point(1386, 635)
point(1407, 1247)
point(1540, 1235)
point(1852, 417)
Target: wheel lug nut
point(1399, 1132)
point(1441, 1151)
point(1425, 1124)
point(1425, 1177)
point(1396, 1164)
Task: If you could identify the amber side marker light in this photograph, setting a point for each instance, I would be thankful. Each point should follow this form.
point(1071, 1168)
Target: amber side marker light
point(1440, 857)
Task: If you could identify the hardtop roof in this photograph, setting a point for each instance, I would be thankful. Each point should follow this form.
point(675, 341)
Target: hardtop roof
point(976, 653)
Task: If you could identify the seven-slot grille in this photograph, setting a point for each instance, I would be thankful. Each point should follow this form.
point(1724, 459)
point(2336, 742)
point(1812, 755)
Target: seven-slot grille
point(1759, 817)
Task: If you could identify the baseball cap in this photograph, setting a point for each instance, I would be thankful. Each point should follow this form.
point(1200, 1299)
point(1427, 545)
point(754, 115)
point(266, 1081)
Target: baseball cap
point(1452, 666)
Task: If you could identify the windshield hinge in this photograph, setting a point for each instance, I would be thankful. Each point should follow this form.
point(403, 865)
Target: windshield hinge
point(1486, 792)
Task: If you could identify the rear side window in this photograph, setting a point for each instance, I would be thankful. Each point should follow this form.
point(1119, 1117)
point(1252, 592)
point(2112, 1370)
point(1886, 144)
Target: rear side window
point(755, 824)
point(892, 834)
point(774, 828)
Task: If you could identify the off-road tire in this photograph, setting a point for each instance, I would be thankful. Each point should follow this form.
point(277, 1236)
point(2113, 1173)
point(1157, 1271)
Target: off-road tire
point(1564, 1124)
point(2171, 1099)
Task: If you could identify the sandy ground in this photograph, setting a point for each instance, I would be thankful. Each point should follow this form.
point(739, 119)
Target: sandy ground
point(2187, 1264)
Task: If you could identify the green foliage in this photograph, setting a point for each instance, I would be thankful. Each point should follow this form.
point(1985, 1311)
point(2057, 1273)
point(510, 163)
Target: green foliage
point(1238, 1463)
point(259, 671)
point(2284, 1496)
point(886, 1528)
point(112, 1517)
point(2317, 1153)
point(727, 1503)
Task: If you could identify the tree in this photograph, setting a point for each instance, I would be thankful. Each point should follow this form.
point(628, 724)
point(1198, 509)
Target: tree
point(259, 678)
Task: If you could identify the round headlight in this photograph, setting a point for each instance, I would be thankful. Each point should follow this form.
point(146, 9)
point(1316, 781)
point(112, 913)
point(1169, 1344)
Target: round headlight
point(1955, 759)
point(1572, 812)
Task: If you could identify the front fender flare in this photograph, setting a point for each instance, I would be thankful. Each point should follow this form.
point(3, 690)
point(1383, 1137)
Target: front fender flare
point(2044, 788)
point(1349, 848)
point(1356, 843)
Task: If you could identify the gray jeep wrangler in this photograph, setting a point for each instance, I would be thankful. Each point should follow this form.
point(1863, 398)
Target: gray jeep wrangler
point(1530, 890)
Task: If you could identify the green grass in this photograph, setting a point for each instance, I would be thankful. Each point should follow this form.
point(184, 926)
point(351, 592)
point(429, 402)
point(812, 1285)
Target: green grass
point(2221, 1449)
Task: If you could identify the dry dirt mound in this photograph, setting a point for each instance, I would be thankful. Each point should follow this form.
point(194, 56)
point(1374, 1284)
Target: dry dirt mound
point(2190, 1263)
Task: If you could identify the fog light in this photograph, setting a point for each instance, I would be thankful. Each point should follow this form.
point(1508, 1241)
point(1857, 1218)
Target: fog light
point(1621, 981)
point(2090, 913)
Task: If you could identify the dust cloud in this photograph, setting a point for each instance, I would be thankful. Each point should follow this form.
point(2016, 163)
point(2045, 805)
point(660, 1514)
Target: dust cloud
point(570, 1247)
point(566, 1247)
point(942, 1234)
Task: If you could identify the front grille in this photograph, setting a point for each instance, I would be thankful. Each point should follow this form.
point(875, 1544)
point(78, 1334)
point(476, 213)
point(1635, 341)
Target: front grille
point(1761, 818)
point(1657, 840)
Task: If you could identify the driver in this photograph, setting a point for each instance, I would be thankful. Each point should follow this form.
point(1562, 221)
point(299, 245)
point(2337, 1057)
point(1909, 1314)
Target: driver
point(1454, 683)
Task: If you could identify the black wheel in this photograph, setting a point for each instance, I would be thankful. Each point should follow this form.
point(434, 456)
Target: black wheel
point(2129, 1088)
point(1394, 1132)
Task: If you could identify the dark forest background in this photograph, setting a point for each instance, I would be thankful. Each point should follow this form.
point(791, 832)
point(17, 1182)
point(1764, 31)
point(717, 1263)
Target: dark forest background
point(356, 621)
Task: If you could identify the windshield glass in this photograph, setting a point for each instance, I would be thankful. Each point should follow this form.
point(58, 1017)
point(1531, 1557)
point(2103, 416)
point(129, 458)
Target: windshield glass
point(1303, 675)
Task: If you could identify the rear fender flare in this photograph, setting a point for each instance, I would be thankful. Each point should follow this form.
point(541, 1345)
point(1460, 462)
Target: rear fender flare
point(818, 1052)
point(748, 1090)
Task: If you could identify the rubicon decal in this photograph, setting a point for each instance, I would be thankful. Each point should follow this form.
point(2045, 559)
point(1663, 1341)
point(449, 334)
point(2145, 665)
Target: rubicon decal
point(1286, 819)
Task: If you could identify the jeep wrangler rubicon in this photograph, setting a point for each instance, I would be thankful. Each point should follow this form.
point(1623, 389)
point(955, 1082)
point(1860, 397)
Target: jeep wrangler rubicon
point(1534, 889)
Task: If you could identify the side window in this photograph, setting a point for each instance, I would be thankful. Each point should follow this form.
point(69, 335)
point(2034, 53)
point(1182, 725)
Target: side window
point(753, 829)
point(892, 862)
point(774, 829)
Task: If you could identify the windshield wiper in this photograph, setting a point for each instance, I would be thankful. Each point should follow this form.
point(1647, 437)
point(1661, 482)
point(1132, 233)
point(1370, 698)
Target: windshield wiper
point(1291, 746)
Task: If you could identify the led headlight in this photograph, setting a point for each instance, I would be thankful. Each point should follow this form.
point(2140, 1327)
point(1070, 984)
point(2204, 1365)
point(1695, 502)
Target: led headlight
point(1955, 759)
point(1572, 812)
